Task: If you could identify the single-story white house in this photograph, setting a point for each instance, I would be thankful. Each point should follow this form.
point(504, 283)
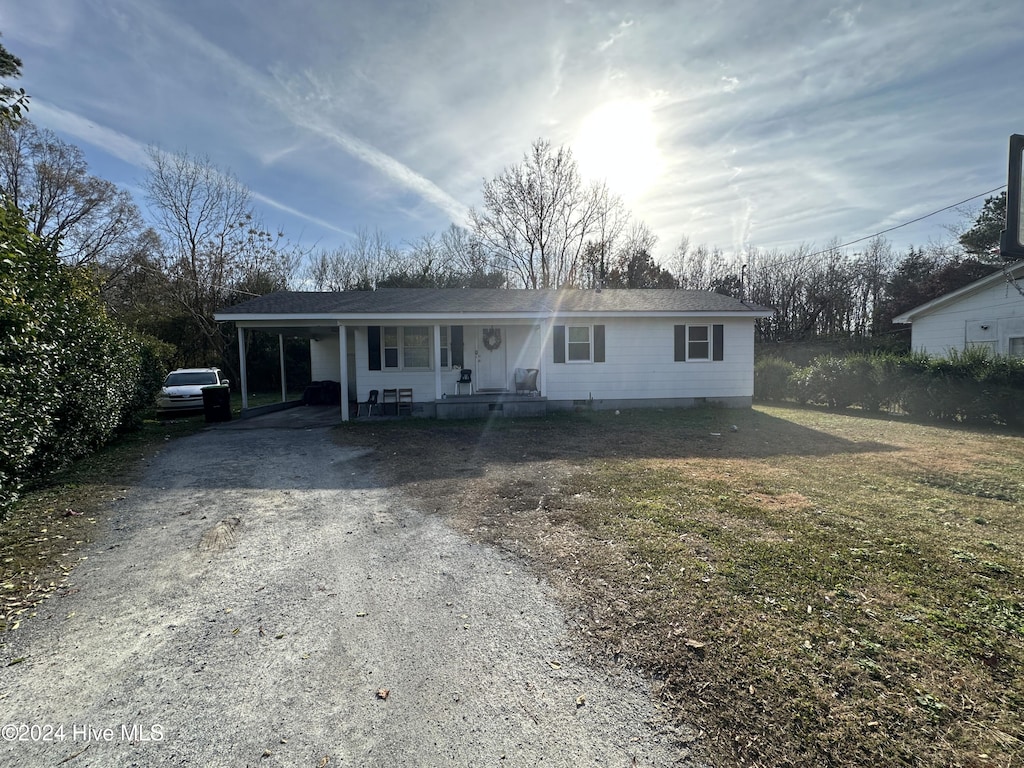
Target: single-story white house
point(987, 313)
point(517, 351)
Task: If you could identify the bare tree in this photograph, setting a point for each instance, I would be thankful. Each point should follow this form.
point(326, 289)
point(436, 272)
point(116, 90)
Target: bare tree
point(215, 249)
point(538, 217)
point(701, 268)
point(95, 223)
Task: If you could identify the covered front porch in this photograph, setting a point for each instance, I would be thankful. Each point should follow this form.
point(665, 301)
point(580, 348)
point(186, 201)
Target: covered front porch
point(440, 370)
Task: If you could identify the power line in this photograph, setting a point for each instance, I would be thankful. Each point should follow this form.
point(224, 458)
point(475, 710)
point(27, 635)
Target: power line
point(912, 221)
point(802, 257)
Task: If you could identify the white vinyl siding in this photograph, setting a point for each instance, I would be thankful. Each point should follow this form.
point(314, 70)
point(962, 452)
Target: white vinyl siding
point(640, 364)
point(990, 317)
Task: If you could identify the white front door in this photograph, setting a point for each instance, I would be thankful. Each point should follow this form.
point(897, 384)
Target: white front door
point(490, 371)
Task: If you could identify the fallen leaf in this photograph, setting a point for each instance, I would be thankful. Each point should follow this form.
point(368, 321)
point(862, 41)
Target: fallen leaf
point(580, 701)
point(383, 693)
point(691, 643)
point(554, 665)
point(325, 761)
point(361, 613)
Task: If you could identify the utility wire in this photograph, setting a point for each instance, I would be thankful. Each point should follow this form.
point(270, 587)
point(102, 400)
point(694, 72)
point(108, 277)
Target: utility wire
point(885, 231)
point(912, 221)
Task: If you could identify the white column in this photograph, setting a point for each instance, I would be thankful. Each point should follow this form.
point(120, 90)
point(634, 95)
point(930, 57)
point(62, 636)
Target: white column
point(545, 356)
point(284, 382)
point(244, 383)
point(438, 386)
point(343, 354)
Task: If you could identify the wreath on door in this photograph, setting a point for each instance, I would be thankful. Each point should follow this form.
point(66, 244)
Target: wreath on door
point(492, 338)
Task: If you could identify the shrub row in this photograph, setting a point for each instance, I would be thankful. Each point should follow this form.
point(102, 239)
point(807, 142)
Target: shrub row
point(70, 377)
point(971, 386)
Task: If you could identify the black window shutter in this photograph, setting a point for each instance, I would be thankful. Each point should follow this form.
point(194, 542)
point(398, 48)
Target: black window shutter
point(558, 341)
point(458, 356)
point(373, 346)
point(598, 343)
point(680, 343)
point(717, 342)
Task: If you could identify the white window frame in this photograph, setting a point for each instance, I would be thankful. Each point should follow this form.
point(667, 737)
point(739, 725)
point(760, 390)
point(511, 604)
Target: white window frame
point(708, 340)
point(1019, 353)
point(400, 349)
point(589, 342)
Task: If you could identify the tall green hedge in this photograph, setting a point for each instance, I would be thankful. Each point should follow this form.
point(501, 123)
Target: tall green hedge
point(70, 377)
point(965, 387)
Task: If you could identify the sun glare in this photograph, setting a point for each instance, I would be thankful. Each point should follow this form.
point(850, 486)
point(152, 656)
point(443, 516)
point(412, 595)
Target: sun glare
point(617, 142)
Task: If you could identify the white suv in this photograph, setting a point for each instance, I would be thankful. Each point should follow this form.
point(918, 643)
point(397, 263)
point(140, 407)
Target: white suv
point(183, 389)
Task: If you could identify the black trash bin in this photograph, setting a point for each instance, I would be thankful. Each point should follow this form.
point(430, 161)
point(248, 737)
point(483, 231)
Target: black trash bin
point(217, 403)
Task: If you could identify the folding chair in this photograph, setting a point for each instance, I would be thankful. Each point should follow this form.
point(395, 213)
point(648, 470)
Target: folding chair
point(404, 400)
point(390, 396)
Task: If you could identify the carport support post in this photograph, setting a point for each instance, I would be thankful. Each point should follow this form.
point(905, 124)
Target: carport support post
point(284, 382)
point(343, 354)
point(244, 383)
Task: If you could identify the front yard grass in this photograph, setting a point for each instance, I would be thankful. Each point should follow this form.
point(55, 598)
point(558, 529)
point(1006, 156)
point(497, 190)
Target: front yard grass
point(812, 588)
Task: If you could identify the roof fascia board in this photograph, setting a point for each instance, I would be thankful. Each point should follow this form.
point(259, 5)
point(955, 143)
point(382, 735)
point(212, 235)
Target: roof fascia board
point(297, 319)
point(1014, 270)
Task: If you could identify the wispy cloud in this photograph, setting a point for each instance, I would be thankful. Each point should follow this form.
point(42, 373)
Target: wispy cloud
point(304, 113)
point(615, 36)
point(391, 114)
point(110, 141)
point(136, 153)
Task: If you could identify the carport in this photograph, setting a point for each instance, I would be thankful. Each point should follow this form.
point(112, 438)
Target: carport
point(293, 329)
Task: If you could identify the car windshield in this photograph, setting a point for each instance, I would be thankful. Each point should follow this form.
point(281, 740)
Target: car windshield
point(198, 378)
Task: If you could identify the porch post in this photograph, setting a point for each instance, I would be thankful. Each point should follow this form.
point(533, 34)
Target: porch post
point(437, 361)
point(244, 383)
point(545, 359)
point(284, 383)
point(343, 354)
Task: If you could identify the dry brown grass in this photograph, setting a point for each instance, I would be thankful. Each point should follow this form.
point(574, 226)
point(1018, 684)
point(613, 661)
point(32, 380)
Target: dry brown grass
point(811, 589)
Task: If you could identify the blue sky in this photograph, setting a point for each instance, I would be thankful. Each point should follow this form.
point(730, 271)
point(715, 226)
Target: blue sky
point(736, 124)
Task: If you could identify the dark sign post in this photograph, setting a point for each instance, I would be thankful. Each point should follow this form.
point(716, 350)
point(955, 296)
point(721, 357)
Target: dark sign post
point(1011, 241)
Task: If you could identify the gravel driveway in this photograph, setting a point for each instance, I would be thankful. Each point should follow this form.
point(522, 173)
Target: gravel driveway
point(258, 600)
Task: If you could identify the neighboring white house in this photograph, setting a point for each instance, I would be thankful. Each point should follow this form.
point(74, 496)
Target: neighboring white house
point(604, 349)
point(987, 313)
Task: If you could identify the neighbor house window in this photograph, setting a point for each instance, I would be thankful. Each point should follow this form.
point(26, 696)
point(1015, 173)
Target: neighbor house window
point(405, 347)
point(1016, 346)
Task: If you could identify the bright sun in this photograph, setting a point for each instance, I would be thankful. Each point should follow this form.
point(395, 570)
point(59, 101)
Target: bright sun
point(617, 143)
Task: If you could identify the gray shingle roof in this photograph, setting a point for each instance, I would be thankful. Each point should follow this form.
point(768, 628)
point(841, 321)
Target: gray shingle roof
point(412, 301)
